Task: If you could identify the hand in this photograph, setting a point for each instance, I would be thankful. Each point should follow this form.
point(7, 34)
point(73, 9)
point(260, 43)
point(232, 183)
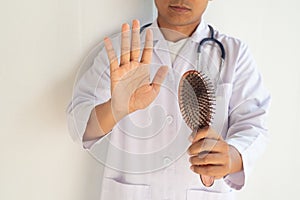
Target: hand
point(131, 88)
point(210, 154)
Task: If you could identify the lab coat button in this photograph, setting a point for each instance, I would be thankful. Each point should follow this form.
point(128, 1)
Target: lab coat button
point(167, 160)
point(170, 119)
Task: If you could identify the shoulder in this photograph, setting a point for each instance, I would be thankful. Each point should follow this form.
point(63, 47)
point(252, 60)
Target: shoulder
point(229, 41)
point(235, 48)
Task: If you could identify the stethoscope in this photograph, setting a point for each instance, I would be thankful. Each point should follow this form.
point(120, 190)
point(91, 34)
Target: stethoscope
point(220, 45)
point(211, 38)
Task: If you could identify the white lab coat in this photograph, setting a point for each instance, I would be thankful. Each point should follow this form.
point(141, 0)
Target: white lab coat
point(145, 154)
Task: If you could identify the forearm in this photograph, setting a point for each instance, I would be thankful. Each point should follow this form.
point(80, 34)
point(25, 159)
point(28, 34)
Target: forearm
point(100, 123)
point(236, 160)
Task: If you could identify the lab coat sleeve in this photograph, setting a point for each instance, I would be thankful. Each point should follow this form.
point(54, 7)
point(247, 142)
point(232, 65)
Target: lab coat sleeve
point(91, 89)
point(248, 108)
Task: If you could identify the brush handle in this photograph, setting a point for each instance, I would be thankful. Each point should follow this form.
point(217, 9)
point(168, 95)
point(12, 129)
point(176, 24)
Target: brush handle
point(207, 180)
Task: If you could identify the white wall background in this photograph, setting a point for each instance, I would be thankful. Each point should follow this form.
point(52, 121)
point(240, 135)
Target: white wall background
point(42, 44)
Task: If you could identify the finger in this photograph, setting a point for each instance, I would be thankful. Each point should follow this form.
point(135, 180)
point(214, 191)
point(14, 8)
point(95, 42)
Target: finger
point(206, 132)
point(125, 44)
point(148, 48)
point(159, 78)
point(206, 145)
point(209, 170)
point(202, 133)
point(135, 41)
point(208, 159)
point(111, 54)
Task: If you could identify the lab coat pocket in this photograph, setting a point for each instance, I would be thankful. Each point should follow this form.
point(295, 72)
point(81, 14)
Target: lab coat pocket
point(116, 190)
point(194, 194)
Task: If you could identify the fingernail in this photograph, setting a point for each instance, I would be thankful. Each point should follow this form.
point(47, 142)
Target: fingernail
point(149, 32)
point(136, 23)
point(188, 152)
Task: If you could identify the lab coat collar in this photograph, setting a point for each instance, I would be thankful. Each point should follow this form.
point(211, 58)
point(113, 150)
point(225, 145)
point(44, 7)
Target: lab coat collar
point(160, 46)
point(157, 34)
point(202, 31)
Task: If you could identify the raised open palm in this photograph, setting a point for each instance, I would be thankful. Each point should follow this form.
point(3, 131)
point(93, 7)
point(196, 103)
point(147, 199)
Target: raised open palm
point(131, 88)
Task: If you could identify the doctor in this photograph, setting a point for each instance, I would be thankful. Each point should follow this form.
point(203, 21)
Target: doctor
point(118, 95)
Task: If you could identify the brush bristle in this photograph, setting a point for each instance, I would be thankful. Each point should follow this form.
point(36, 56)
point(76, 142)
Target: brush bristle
point(196, 99)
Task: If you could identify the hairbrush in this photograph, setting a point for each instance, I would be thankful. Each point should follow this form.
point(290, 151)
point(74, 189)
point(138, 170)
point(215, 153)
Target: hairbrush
point(196, 97)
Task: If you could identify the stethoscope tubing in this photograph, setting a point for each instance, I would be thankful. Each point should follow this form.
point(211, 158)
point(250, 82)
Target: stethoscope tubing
point(201, 44)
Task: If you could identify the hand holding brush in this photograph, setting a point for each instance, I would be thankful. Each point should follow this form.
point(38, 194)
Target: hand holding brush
point(211, 156)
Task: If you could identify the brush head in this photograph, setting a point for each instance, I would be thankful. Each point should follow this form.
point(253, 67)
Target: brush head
point(196, 97)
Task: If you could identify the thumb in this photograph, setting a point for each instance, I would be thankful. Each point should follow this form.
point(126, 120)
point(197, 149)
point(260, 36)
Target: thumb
point(159, 78)
point(206, 132)
point(202, 133)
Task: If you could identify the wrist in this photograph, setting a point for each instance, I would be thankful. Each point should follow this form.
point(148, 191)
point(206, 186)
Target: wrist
point(118, 109)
